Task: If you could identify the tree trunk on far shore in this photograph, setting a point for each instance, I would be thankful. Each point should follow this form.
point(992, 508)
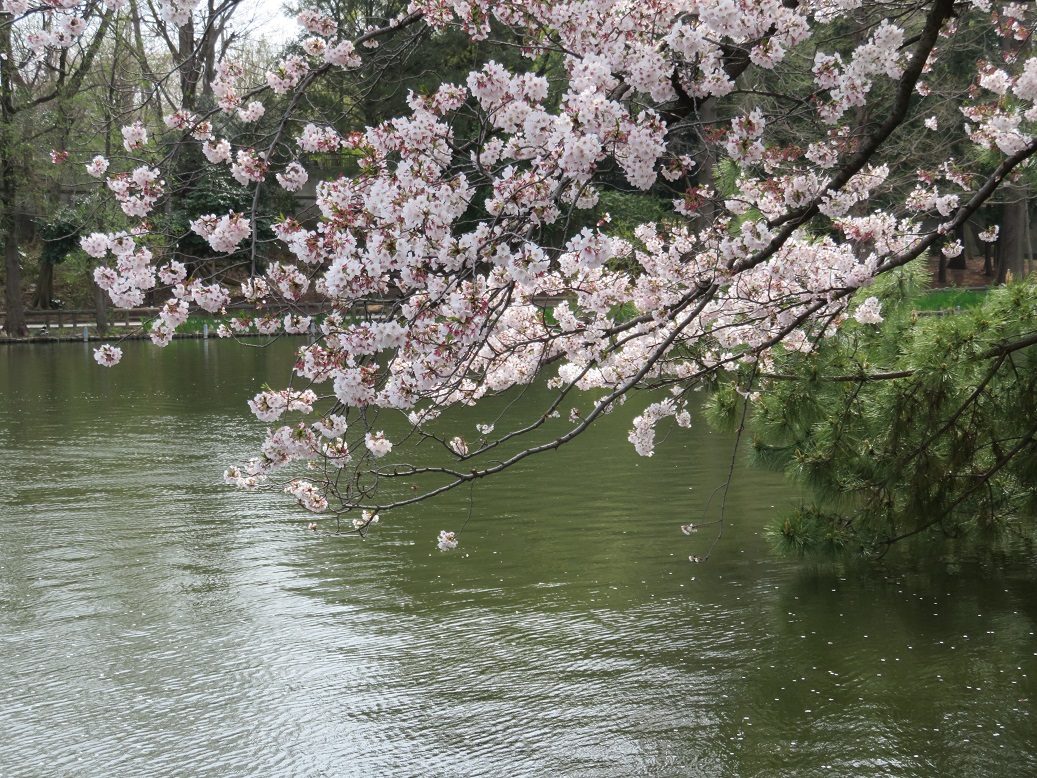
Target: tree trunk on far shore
point(100, 312)
point(1012, 243)
point(14, 320)
point(706, 162)
point(43, 297)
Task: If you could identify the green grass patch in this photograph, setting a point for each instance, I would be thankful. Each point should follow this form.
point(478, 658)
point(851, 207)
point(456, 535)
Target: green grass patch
point(195, 324)
point(949, 299)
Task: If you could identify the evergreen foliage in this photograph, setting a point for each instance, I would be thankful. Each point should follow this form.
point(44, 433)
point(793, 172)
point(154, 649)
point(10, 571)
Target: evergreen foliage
point(920, 424)
point(60, 235)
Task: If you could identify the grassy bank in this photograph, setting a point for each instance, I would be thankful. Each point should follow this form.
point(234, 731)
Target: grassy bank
point(949, 299)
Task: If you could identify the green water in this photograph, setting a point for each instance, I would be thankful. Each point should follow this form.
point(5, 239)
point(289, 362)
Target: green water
point(154, 622)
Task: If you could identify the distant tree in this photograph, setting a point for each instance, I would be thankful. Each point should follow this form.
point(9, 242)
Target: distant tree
point(29, 83)
point(60, 236)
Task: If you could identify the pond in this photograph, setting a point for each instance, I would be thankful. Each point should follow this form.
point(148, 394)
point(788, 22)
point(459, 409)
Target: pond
point(156, 622)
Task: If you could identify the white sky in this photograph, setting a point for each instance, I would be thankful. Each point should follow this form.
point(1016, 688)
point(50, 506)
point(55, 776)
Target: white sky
point(271, 21)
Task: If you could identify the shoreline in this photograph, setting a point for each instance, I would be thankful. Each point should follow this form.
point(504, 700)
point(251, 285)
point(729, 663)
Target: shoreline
point(94, 338)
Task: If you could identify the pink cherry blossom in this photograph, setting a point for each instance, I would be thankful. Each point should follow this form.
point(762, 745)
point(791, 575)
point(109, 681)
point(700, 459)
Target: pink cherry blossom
point(107, 355)
point(253, 112)
point(250, 167)
point(293, 178)
point(217, 152)
point(134, 136)
point(377, 443)
point(97, 167)
point(223, 233)
point(868, 312)
point(342, 54)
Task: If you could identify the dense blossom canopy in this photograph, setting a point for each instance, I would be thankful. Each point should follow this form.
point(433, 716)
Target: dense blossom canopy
point(774, 129)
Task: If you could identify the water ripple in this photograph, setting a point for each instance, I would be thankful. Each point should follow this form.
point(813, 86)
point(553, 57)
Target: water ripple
point(154, 623)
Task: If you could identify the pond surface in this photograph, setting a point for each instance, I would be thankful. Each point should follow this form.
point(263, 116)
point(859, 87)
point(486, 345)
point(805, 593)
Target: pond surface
point(154, 622)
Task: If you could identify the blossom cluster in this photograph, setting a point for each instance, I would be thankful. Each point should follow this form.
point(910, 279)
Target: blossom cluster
point(108, 355)
point(223, 233)
point(225, 84)
point(287, 74)
point(869, 311)
point(250, 167)
point(308, 495)
point(133, 274)
point(134, 136)
point(137, 191)
point(293, 177)
point(97, 166)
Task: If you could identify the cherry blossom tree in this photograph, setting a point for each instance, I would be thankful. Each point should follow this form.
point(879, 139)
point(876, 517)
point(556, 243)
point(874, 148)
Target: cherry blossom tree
point(465, 252)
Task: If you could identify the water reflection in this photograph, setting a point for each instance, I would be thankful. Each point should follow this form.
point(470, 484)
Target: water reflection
point(154, 623)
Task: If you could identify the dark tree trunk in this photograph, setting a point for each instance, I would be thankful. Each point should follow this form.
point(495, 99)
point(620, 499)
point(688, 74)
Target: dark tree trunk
point(1012, 243)
point(14, 321)
point(707, 160)
point(1027, 243)
point(100, 310)
point(43, 297)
